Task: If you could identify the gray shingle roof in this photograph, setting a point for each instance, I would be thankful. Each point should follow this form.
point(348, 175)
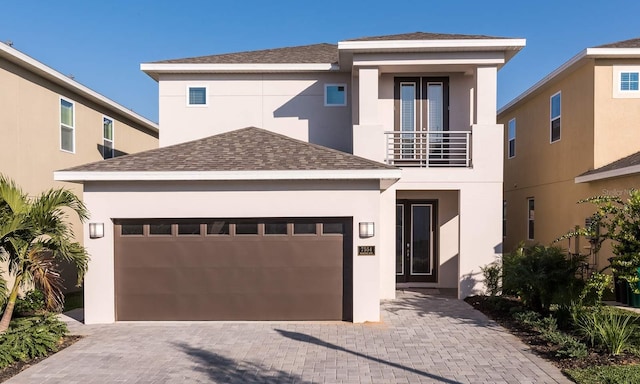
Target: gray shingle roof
point(625, 162)
point(247, 149)
point(316, 53)
point(631, 43)
point(425, 36)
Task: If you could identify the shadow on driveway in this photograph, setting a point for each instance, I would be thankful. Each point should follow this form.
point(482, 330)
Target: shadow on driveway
point(314, 340)
point(221, 369)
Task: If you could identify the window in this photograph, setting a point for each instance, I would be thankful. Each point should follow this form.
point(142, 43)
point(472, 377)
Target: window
point(555, 116)
point(335, 95)
point(530, 218)
point(188, 229)
point(504, 218)
point(304, 228)
point(131, 229)
point(629, 81)
point(332, 228)
point(197, 96)
point(218, 228)
point(160, 229)
point(247, 228)
point(67, 126)
point(275, 228)
point(511, 150)
point(107, 138)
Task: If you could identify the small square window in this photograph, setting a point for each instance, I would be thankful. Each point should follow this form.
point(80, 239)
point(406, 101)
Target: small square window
point(332, 228)
point(131, 229)
point(247, 228)
point(159, 229)
point(197, 96)
point(218, 228)
point(275, 228)
point(629, 81)
point(304, 229)
point(335, 95)
point(189, 229)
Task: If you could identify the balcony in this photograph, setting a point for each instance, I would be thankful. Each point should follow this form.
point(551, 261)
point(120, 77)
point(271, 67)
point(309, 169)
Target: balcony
point(428, 149)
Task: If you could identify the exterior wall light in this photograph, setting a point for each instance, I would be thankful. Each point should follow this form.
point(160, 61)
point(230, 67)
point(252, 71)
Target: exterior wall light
point(367, 230)
point(96, 230)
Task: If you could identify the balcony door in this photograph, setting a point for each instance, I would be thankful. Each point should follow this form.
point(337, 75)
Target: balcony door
point(416, 236)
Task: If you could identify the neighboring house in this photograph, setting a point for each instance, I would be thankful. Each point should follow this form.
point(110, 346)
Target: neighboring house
point(376, 165)
point(48, 121)
point(574, 134)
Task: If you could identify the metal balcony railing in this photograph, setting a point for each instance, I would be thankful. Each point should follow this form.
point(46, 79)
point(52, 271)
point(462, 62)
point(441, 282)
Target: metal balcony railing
point(424, 149)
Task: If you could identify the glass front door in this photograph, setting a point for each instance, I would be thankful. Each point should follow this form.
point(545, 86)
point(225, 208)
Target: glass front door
point(416, 257)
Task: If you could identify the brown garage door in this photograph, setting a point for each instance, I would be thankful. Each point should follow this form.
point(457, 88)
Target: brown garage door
point(224, 269)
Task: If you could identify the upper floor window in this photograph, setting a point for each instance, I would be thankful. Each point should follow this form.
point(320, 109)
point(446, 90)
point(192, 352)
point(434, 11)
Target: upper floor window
point(629, 81)
point(197, 96)
point(335, 95)
point(107, 138)
point(556, 101)
point(511, 151)
point(67, 126)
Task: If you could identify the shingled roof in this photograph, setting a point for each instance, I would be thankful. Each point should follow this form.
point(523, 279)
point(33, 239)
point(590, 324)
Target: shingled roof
point(316, 53)
point(424, 36)
point(625, 162)
point(631, 43)
point(247, 149)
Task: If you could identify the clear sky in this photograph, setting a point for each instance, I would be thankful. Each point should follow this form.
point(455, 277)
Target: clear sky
point(102, 42)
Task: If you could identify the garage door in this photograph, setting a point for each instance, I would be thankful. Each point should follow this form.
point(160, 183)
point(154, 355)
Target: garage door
point(225, 269)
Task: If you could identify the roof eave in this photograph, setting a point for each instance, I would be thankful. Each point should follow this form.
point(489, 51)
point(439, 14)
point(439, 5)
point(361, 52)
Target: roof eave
point(27, 62)
point(399, 45)
point(602, 175)
point(376, 174)
point(155, 69)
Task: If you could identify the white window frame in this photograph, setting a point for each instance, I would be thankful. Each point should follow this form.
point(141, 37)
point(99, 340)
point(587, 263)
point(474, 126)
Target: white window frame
point(531, 218)
point(551, 118)
point(509, 139)
point(60, 125)
point(206, 96)
point(113, 135)
point(326, 86)
point(618, 93)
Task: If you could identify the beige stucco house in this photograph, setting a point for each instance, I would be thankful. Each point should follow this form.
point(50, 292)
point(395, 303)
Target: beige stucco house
point(304, 182)
point(572, 135)
point(48, 122)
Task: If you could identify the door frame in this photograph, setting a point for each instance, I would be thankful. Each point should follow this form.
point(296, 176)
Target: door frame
point(406, 277)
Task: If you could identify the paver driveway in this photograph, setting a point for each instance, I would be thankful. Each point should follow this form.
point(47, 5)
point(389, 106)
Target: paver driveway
point(422, 339)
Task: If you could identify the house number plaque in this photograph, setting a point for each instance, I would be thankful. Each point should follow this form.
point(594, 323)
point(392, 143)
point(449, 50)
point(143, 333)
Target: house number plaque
point(366, 250)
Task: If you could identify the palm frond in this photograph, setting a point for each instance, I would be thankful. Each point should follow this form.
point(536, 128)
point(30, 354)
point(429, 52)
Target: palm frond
point(43, 270)
point(11, 196)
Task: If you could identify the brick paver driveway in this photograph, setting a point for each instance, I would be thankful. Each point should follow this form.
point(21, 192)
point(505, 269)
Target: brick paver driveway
point(422, 339)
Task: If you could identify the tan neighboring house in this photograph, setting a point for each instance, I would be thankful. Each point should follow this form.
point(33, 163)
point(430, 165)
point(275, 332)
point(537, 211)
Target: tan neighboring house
point(574, 134)
point(48, 122)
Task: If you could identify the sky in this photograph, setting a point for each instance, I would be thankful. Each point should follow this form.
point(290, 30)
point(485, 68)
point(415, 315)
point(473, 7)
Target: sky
point(102, 43)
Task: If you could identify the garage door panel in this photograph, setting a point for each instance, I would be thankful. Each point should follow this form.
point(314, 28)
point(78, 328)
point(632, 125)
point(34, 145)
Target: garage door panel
point(232, 277)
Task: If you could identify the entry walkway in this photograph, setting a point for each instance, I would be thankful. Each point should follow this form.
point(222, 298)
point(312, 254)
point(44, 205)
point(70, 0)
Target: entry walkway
point(422, 339)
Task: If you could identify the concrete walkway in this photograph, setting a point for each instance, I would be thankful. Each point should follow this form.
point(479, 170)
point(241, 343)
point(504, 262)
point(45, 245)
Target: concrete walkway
point(422, 339)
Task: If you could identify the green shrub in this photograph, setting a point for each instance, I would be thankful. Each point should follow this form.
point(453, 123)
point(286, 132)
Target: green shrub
point(30, 304)
point(541, 276)
point(547, 327)
point(595, 287)
point(613, 374)
point(492, 274)
point(611, 330)
point(30, 337)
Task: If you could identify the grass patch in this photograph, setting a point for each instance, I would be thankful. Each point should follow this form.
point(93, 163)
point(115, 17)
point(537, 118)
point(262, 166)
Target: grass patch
point(73, 300)
point(613, 374)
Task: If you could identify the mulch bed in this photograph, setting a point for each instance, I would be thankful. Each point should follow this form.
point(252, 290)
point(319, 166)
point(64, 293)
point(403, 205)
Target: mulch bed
point(542, 348)
point(12, 370)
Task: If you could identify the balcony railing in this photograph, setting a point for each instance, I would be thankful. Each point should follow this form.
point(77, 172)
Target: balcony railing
point(424, 149)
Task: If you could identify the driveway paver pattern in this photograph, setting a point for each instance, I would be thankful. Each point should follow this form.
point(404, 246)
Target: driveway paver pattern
point(422, 338)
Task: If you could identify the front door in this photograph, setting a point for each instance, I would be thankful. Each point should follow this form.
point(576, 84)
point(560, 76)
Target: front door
point(416, 251)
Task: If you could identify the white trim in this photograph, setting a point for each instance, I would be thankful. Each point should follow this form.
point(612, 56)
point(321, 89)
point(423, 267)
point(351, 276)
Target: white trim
point(206, 96)
point(150, 68)
point(515, 128)
point(72, 127)
point(113, 135)
point(228, 175)
point(40, 69)
point(326, 86)
point(551, 118)
point(631, 170)
point(613, 52)
point(426, 44)
point(617, 92)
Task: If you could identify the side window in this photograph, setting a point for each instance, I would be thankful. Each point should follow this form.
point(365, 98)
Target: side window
point(556, 106)
point(511, 151)
point(335, 95)
point(530, 218)
point(504, 218)
point(107, 137)
point(67, 126)
point(197, 96)
point(629, 81)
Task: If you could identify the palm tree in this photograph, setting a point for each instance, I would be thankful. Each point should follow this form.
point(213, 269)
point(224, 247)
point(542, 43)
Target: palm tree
point(35, 239)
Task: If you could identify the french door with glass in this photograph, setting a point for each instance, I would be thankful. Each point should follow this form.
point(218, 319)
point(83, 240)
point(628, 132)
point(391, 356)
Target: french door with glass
point(416, 241)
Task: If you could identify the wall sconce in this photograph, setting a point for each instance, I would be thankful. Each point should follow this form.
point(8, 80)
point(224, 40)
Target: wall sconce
point(96, 230)
point(366, 230)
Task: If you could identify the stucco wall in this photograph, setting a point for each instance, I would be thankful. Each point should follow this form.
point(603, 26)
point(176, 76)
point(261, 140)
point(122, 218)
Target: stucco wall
point(357, 199)
point(290, 104)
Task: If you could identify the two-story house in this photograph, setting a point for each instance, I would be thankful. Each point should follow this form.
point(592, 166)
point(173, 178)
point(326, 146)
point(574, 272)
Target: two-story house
point(572, 135)
point(376, 164)
point(48, 121)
